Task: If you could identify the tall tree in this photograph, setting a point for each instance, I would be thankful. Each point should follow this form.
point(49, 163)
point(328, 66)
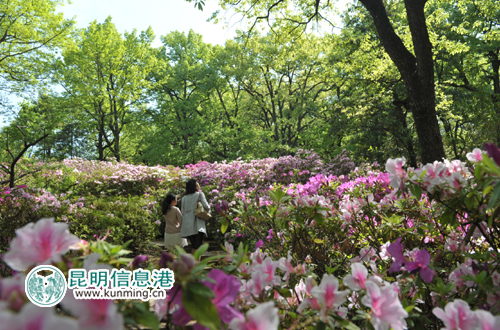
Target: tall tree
point(417, 70)
point(289, 84)
point(30, 31)
point(104, 76)
point(181, 91)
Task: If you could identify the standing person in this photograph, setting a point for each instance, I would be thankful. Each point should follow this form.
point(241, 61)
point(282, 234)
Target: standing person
point(173, 222)
point(193, 227)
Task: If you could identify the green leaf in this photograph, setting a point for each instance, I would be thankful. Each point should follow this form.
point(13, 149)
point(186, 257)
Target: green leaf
point(200, 289)
point(345, 323)
point(149, 320)
point(491, 165)
point(495, 196)
point(409, 308)
point(318, 217)
point(224, 226)
point(201, 309)
point(416, 190)
point(140, 306)
point(318, 241)
point(321, 326)
point(477, 172)
point(284, 293)
point(115, 249)
point(202, 249)
point(487, 190)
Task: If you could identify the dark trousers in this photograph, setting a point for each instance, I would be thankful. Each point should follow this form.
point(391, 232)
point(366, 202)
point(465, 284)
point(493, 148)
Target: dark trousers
point(196, 240)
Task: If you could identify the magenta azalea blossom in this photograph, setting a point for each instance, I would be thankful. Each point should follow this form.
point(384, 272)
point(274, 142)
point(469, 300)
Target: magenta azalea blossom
point(259, 244)
point(493, 152)
point(457, 315)
point(165, 259)
point(225, 288)
point(138, 261)
point(32, 317)
point(263, 317)
point(395, 250)
point(37, 244)
point(421, 263)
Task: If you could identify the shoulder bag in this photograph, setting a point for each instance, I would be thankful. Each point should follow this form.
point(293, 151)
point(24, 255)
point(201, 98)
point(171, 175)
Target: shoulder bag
point(200, 211)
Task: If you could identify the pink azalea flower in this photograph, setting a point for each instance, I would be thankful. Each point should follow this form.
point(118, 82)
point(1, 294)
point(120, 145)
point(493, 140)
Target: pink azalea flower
point(94, 314)
point(395, 168)
point(81, 245)
point(41, 243)
point(487, 320)
point(263, 317)
point(309, 301)
point(328, 295)
point(421, 263)
point(457, 315)
point(357, 280)
point(230, 251)
point(286, 265)
point(267, 268)
point(32, 317)
point(475, 156)
point(161, 306)
point(258, 256)
point(300, 289)
point(225, 288)
point(12, 292)
point(387, 310)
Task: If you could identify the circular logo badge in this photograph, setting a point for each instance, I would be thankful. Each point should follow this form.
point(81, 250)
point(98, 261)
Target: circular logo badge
point(45, 286)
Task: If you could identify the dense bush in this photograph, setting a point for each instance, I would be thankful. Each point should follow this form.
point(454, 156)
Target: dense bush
point(406, 248)
point(123, 200)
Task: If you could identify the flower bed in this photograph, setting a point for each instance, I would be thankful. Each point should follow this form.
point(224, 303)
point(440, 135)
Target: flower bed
point(400, 248)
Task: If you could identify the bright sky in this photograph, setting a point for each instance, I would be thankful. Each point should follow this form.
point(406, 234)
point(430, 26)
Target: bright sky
point(163, 16)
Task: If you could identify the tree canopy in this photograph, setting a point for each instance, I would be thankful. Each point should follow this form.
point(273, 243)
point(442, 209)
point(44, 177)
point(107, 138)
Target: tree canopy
point(418, 79)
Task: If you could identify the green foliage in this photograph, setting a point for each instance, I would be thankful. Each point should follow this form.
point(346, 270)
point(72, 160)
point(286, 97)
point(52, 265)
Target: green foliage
point(126, 217)
point(104, 77)
point(30, 32)
point(111, 254)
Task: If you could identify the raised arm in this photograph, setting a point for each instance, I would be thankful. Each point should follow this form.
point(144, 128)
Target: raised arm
point(204, 202)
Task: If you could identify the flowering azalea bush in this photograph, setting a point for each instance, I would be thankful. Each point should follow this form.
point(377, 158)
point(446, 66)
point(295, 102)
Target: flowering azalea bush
point(372, 249)
point(95, 196)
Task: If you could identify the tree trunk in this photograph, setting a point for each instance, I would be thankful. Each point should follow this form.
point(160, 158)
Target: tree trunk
point(495, 64)
point(100, 145)
point(407, 138)
point(416, 70)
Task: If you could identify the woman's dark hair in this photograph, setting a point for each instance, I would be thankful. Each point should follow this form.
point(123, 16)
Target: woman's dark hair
point(191, 187)
point(165, 206)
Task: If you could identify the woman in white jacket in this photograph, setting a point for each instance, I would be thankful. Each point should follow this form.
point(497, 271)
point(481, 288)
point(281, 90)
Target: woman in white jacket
point(193, 227)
